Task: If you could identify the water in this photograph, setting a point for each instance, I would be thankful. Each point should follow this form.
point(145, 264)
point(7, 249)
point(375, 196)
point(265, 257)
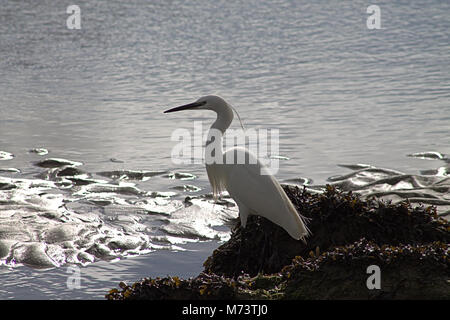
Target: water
point(338, 92)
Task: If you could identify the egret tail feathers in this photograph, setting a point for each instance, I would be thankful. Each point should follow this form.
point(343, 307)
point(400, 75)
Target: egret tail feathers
point(297, 229)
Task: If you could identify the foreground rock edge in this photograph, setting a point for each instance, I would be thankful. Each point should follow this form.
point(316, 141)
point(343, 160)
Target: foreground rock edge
point(409, 245)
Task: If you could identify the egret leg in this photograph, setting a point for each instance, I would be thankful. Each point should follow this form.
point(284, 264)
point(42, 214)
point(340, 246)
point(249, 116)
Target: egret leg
point(243, 214)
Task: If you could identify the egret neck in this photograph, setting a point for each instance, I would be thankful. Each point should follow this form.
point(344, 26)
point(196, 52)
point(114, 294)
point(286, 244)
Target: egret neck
point(214, 150)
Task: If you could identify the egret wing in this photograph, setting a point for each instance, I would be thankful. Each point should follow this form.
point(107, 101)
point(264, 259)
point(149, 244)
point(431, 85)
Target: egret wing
point(252, 186)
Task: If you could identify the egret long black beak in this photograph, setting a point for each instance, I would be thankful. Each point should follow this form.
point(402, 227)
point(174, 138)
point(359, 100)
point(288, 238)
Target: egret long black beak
point(187, 106)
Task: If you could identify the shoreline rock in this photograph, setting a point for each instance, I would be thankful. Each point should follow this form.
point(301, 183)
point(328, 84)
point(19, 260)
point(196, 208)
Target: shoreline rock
point(409, 244)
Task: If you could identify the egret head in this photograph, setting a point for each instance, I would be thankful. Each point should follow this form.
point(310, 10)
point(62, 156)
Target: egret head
point(213, 103)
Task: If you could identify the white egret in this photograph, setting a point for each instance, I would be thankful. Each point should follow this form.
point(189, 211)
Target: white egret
point(255, 193)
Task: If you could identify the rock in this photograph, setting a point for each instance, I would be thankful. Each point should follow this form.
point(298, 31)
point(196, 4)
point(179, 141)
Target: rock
point(430, 155)
point(130, 174)
point(39, 151)
point(56, 163)
point(335, 219)
point(69, 171)
point(408, 272)
point(6, 155)
point(10, 170)
point(409, 244)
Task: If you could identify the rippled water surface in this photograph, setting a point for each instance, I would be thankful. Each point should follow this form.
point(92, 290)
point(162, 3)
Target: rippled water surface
point(339, 94)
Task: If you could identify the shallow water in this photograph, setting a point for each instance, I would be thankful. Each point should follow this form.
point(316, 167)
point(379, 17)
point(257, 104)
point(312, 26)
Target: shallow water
point(338, 93)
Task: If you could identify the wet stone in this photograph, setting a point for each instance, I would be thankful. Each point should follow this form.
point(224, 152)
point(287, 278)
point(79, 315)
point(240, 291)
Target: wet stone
point(69, 171)
point(39, 151)
point(6, 155)
point(130, 174)
point(181, 176)
point(56, 163)
point(10, 170)
point(430, 155)
point(187, 188)
point(7, 186)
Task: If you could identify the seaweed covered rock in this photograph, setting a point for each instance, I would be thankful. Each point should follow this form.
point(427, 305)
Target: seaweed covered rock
point(335, 219)
point(202, 287)
point(409, 244)
point(407, 272)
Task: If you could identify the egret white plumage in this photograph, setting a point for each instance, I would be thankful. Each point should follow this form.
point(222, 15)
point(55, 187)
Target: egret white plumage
point(250, 184)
